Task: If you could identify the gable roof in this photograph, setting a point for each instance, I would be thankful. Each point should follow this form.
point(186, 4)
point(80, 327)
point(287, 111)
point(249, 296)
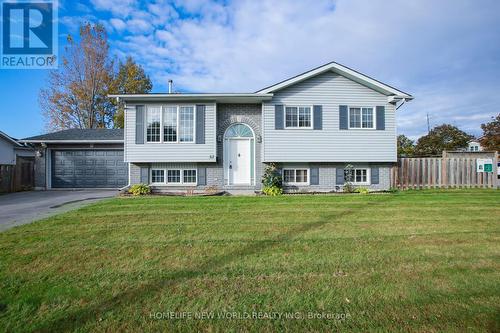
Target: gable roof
point(80, 135)
point(344, 71)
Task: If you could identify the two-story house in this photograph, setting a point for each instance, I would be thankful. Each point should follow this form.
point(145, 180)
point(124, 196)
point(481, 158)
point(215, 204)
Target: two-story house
point(313, 125)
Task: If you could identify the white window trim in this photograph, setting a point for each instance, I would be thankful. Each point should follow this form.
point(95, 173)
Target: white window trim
point(298, 127)
point(178, 106)
point(295, 171)
point(374, 115)
point(368, 176)
point(146, 124)
point(189, 184)
point(151, 176)
point(166, 183)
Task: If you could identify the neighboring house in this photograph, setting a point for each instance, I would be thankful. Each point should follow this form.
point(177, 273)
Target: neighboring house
point(474, 146)
point(312, 125)
point(80, 158)
point(11, 148)
point(16, 164)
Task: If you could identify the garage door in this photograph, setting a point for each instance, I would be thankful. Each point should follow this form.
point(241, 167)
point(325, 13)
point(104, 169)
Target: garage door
point(88, 168)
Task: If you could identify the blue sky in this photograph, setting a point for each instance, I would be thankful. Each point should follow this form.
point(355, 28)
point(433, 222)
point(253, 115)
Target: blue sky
point(446, 53)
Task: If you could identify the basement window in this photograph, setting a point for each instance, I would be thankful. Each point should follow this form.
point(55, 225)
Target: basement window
point(358, 176)
point(157, 176)
point(296, 176)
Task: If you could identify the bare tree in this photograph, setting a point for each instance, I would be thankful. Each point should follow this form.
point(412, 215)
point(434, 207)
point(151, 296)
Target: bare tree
point(76, 93)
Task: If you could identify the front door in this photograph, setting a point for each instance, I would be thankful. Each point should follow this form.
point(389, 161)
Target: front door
point(239, 161)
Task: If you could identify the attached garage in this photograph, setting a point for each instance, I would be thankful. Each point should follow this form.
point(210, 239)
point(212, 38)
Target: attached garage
point(80, 158)
point(89, 168)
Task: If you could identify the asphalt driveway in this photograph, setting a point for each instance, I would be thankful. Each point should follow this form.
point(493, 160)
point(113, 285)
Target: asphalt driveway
point(26, 207)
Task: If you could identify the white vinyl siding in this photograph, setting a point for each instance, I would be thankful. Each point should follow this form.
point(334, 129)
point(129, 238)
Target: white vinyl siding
point(330, 144)
point(7, 153)
point(171, 151)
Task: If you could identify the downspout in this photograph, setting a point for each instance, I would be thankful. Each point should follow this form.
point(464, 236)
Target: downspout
point(124, 122)
point(128, 185)
point(402, 102)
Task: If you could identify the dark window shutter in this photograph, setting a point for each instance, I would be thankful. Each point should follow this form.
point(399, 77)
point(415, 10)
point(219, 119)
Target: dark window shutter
point(200, 124)
point(343, 117)
point(202, 176)
point(318, 117)
point(139, 124)
point(381, 117)
point(374, 176)
point(278, 117)
point(314, 177)
point(145, 175)
point(339, 176)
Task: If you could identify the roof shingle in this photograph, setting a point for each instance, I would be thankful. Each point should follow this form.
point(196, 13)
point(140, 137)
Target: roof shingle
point(75, 134)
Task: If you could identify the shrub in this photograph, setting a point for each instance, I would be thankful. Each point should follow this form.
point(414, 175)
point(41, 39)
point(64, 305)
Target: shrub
point(272, 190)
point(362, 190)
point(211, 189)
point(349, 188)
point(348, 178)
point(272, 180)
point(139, 189)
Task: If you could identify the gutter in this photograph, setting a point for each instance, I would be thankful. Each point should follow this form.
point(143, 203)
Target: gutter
point(179, 96)
point(72, 141)
point(398, 99)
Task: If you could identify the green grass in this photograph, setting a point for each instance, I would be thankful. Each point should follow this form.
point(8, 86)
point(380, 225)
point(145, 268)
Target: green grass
point(423, 261)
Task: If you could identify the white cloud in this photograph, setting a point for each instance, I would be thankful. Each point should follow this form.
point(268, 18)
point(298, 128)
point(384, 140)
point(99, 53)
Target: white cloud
point(73, 23)
point(449, 62)
point(121, 7)
point(117, 24)
point(138, 26)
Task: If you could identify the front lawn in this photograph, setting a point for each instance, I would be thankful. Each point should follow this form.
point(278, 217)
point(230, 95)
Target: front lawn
point(423, 261)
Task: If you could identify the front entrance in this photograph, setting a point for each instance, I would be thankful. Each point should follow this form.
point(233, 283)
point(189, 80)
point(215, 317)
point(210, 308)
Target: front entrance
point(239, 161)
point(239, 155)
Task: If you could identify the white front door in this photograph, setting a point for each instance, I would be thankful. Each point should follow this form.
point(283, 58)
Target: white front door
point(239, 161)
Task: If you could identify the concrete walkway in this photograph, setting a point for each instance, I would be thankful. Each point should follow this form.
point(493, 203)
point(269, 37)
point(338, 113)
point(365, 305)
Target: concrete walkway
point(25, 207)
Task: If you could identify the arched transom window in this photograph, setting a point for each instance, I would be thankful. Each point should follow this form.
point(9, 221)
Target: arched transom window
point(239, 131)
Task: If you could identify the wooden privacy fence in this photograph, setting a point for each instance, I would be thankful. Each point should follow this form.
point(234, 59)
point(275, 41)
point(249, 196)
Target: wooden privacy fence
point(6, 177)
point(19, 177)
point(430, 172)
